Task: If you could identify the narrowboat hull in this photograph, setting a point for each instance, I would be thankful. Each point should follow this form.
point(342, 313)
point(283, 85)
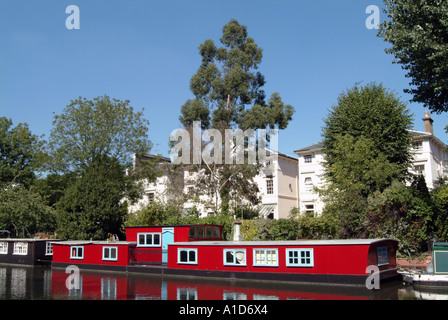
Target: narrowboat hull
point(25, 252)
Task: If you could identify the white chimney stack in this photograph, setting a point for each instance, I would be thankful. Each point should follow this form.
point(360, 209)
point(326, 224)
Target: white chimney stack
point(237, 231)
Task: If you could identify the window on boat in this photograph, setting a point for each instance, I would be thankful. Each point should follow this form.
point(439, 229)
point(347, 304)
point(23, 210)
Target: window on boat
point(20, 248)
point(77, 252)
point(216, 233)
point(3, 247)
point(110, 253)
point(381, 253)
point(234, 257)
point(299, 257)
point(187, 256)
point(48, 248)
point(148, 239)
point(266, 257)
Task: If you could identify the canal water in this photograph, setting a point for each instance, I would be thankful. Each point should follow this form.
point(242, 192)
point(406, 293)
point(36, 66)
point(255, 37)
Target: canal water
point(45, 283)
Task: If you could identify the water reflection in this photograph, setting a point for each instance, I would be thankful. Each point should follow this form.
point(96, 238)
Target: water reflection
point(45, 283)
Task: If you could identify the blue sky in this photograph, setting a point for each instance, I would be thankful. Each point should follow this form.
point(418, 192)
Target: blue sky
point(147, 51)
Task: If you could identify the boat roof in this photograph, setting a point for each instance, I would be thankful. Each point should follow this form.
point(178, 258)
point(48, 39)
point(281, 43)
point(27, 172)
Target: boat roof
point(283, 243)
point(87, 242)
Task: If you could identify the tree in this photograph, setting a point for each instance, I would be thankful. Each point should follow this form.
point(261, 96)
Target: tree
point(418, 32)
point(376, 120)
point(24, 211)
point(367, 148)
point(89, 130)
point(21, 154)
point(92, 143)
point(92, 206)
point(228, 94)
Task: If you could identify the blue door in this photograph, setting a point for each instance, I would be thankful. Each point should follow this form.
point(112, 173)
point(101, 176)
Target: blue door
point(167, 238)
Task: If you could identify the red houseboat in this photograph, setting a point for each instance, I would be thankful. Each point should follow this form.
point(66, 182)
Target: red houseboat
point(198, 251)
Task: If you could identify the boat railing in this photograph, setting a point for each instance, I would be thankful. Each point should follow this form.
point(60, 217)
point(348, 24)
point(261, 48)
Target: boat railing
point(145, 256)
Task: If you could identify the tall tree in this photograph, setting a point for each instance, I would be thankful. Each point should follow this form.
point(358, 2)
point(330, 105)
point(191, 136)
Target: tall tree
point(418, 32)
point(366, 142)
point(228, 94)
point(94, 142)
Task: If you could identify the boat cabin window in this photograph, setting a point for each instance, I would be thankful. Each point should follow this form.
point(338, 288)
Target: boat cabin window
point(48, 248)
point(3, 247)
point(299, 257)
point(77, 252)
point(149, 239)
point(187, 256)
point(204, 232)
point(20, 248)
point(110, 253)
point(381, 253)
point(234, 257)
point(266, 257)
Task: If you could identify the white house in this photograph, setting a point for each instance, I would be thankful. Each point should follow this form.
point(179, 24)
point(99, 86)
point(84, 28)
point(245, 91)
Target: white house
point(430, 160)
point(277, 184)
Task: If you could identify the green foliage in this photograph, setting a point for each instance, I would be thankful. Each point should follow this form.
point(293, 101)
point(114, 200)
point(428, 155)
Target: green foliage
point(89, 130)
point(25, 212)
point(228, 94)
point(92, 206)
point(21, 154)
point(418, 33)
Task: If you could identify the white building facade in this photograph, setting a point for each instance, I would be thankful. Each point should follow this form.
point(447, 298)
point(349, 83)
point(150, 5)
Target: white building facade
point(430, 160)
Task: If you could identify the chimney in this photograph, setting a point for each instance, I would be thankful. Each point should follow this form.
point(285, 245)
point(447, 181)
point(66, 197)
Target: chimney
point(237, 231)
point(428, 123)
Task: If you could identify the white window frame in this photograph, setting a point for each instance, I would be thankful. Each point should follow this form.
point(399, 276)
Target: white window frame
point(266, 261)
point(308, 158)
point(308, 184)
point(76, 250)
point(234, 252)
point(146, 244)
point(109, 249)
point(270, 186)
point(48, 248)
point(300, 262)
point(188, 250)
point(20, 248)
point(3, 247)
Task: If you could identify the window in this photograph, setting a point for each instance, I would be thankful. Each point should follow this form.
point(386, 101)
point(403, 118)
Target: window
point(216, 233)
point(151, 197)
point(299, 258)
point(20, 248)
point(381, 253)
point(234, 257)
point(420, 169)
point(3, 247)
point(77, 252)
point(308, 158)
point(187, 256)
point(266, 257)
point(417, 145)
point(270, 186)
point(48, 248)
point(148, 239)
point(110, 253)
point(308, 184)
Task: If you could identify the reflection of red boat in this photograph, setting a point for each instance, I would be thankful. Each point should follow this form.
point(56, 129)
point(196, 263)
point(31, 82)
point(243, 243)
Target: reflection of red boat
point(197, 250)
point(96, 286)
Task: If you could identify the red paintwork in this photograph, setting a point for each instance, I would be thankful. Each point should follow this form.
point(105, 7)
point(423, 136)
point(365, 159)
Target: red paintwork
point(350, 259)
point(180, 232)
point(93, 253)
